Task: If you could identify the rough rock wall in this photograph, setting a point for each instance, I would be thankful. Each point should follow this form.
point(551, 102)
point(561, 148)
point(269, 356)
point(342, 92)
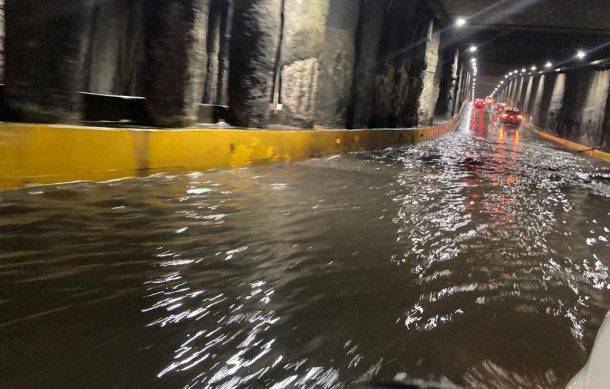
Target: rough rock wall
point(430, 79)
point(114, 62)
point(372, 14)
point(337, 61)
point(45, 49)
point(398, 80)
point(303, 39)
point(2, 35)
point(448, 84)
point(176, 60)
point(257, 27)
point(217, 70)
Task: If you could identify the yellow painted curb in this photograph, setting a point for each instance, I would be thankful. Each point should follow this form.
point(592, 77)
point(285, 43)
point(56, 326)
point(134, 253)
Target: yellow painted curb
point(584, 150)
point(46, 154)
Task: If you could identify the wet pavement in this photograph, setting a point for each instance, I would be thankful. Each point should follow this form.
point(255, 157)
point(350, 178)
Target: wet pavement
point(480, 258)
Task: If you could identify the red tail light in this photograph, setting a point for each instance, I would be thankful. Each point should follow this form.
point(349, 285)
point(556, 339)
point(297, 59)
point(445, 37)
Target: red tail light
point(504, 115)
point(519, 117)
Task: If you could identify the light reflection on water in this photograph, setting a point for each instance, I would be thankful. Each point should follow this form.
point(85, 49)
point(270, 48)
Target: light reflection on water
point(480, 258)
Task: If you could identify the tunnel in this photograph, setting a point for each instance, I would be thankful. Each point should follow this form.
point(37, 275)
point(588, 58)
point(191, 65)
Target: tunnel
point(304, 194)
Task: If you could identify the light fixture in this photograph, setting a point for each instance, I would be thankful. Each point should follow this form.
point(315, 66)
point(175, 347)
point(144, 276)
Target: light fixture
point(523, 70)
point(597, 62)
point(581, 54)
point(460, 22)
point(472, 49)
point(558, 69)
point(548, 65)
point(501, 82)
point(534, 68)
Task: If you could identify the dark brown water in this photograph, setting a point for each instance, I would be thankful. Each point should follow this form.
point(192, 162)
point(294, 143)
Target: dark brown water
point(480, 258)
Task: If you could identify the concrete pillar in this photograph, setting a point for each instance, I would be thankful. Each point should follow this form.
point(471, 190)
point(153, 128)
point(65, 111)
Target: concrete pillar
point(518, 92)
point(537, 103)
point(2, 35)
point(509, 92)
point(528, 94)
point(275, 80)
point(556, 102)
point(457, 101)
point(257, 27)
point(115, 54)
point(453, 83)
point(429, 93)
point(226, 23)
point(334, 106)
point(210, 90)
point(176, 60)
point(593, 112)
point(370, 29)
point(302, 56)
point(45, 46)
point(217, 70)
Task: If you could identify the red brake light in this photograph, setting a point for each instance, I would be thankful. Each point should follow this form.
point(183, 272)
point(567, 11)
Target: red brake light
point(519, 117)
point(504, 115)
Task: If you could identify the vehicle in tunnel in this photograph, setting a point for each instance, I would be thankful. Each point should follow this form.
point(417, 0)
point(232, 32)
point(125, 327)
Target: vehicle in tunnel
point(479, 103)
point(511, 117)
point(500, 107)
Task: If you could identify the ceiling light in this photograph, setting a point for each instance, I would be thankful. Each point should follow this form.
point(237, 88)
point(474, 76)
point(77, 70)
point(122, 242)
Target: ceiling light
point(534, 68)
point(581, 54)
point(472, 49)
point(548, 65)
point(558, 69)
point(523, 70)
point(460, 22)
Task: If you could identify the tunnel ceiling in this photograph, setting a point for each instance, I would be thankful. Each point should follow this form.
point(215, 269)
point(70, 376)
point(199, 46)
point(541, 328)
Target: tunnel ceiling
point(512, 34)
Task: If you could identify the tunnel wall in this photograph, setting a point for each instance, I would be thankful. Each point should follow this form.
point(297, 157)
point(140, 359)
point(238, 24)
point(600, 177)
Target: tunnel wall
point(573, 104)
point(288, 63)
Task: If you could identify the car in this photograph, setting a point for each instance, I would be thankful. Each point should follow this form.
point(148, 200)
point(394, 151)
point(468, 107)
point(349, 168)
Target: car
point(479, 103)
point(500, 107)
point(490, 100)
point(511, 116)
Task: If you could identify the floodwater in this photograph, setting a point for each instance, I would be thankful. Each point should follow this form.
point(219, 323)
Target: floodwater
point(479, 259)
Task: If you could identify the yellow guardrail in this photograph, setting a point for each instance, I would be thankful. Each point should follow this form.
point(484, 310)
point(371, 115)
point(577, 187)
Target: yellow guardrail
point(45, 154)
point(584, 150)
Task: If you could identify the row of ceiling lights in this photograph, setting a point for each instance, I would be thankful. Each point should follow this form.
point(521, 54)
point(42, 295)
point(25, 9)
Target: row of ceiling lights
point(460, 22)
point(580, 54)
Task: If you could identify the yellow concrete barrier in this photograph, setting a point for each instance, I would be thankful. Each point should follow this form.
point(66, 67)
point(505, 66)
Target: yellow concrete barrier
point(569, 145)
point(43, 154)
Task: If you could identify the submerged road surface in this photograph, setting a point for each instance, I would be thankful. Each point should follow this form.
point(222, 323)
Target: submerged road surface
point(480, 258)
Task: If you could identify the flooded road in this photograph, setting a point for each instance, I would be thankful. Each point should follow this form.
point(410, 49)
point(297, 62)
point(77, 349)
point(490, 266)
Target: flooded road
point(480, 258)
